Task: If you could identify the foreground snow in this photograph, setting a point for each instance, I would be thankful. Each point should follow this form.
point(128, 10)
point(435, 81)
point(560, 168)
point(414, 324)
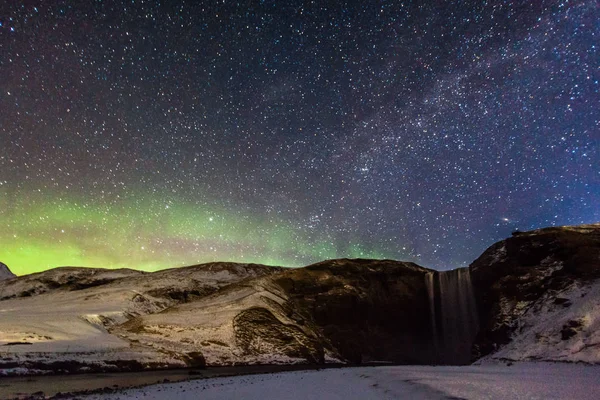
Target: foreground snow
point(525, 381)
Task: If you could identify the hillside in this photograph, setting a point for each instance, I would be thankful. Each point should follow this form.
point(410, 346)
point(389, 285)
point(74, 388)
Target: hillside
point(339, 310)
point(61, 319)
point(534, 296)
point(539, 296)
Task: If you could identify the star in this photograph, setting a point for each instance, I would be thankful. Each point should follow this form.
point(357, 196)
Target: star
point(289, 132)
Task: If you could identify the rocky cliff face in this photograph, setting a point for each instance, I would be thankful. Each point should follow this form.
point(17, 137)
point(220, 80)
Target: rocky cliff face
point(5, 272)
point(538, 296)
point(369, 310)
point(532, 296)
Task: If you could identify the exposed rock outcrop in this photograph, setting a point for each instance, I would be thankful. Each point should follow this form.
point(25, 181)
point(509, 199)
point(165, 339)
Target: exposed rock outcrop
point(5, 273)
point(369, 310)
point(539, 295)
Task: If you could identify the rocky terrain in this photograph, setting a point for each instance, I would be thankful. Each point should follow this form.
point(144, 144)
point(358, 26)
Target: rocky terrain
point(534, 296)
point(337, 311)
point(5, 272)
point(538, 295)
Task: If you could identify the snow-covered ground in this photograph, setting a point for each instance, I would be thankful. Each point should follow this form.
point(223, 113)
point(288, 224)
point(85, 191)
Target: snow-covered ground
point(491, 381)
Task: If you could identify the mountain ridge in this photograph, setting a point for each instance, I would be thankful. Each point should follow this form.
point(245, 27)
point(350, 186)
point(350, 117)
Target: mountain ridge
point(539, 288)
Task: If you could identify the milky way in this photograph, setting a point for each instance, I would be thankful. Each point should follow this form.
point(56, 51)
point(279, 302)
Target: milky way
point(151, 134)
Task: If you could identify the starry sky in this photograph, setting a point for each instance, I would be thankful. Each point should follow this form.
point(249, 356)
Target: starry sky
point(154, 134)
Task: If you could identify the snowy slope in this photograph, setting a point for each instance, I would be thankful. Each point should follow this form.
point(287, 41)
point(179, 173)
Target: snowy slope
point(71, 327)
point(218, 327)
point(53, 316)
point(64, 278)
point(539, 296)
point(559, 326)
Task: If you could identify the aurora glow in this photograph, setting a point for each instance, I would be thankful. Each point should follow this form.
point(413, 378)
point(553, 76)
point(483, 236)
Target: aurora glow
point(149, 235)
point(157, 134)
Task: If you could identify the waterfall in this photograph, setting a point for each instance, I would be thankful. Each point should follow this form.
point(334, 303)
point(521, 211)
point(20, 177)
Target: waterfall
point(432, 315)
point(454, 321)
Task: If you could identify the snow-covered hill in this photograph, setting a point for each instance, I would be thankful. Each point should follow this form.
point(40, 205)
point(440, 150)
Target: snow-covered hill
point(62, 319)
point(559, 326)
point(244, 324)
point(65, 278)
point(221, 313)
point(334, 311)
point(537, 295)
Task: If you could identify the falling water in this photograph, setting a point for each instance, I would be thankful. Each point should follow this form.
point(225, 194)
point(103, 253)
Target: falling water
point(429, 283)
point(454, 319)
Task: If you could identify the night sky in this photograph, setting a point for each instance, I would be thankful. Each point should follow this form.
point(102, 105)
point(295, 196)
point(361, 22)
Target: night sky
point(154, 134)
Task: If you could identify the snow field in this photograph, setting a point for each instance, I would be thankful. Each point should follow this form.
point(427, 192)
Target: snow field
point(490, 381)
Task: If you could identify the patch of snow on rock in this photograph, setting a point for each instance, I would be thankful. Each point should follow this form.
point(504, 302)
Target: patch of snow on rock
point(499, 255)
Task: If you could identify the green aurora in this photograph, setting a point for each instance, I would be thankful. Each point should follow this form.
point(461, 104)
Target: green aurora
point(43, 231)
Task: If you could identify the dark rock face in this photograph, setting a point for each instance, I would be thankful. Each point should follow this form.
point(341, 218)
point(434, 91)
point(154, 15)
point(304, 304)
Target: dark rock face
point(194, 359)
point(5, 272)
point(523, 268)
point(369, 310)
point(570, 329)
point(258, 331)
